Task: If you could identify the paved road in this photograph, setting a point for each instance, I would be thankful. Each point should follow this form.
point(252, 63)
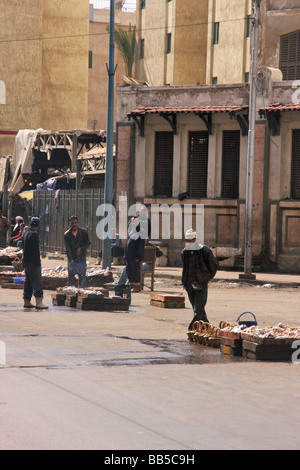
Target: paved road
point(126, 381)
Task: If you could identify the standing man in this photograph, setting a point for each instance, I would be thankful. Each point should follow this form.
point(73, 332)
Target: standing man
point(33, 284)
point(199, 266)
point(77, 242)
point(4, 226)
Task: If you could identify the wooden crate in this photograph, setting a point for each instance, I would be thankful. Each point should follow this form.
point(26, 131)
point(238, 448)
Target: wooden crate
point(267, 352)
point(231, 351)
point(167, 301)
point(58, 299)
point(231, 343)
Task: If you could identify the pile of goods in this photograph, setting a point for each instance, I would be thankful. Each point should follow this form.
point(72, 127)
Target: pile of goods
point(9, 254)
point(98, 276)
point(91, 298)
point(58, 277)
point(268, 343)
point(205, 333)
point(272, 343)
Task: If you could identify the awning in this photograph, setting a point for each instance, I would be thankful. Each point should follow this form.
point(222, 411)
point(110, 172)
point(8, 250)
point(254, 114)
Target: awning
point(272, 114)
point(203, 112)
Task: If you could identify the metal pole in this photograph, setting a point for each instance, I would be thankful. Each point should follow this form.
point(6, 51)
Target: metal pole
point(251, 147)
point(106, 251)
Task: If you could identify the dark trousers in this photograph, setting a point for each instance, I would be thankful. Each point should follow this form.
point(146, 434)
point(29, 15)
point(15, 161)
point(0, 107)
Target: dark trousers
point(198, 299)
point(72, 279)
point(33, 284)
point(133, 269)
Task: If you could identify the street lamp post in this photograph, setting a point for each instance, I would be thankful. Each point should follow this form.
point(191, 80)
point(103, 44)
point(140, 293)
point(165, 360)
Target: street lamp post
point(251, 148)
point(106, 249)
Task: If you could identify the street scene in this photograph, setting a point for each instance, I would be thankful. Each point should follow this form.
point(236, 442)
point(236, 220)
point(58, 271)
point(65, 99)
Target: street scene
point(132, 380)
point(149, 227)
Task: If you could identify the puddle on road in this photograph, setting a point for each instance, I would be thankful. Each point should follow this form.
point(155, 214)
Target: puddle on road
point(162, 351)
point(174, 352)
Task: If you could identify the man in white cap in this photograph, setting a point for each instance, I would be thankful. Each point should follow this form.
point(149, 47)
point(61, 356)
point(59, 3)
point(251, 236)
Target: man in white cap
point(33, 284)
point(199, 266)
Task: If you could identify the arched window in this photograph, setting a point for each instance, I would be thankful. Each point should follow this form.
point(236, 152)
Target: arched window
point(290, 55)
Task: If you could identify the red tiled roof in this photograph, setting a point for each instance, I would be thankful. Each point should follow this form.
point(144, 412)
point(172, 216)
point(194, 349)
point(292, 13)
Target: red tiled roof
point(186, 110)
point(280, 107)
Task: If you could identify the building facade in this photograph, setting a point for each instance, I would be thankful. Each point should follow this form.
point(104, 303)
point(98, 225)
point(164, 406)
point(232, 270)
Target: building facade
point(192, 141)
point(98, 60)
point(188, 42)
point(44, 66)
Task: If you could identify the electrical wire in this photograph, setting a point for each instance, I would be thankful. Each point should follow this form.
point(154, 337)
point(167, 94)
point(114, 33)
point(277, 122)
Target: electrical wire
point(190, 25)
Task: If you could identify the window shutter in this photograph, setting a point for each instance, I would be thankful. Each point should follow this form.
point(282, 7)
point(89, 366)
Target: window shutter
point(197, 169)
point(295, 170)
point(163, 171)
point(290, 56)
point(231, 164)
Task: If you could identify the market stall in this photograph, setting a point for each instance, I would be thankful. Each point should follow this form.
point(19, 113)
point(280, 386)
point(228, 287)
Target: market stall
point(91, 299)
point(269, 343)
point(55, 277)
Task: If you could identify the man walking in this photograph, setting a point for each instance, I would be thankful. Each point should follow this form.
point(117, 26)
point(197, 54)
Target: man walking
point(4, 226)
point(77, 242)
point(33, 284)
point(199, 266)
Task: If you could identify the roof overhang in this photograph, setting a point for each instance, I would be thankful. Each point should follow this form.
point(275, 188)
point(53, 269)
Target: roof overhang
point(203, 112)
point(272, 114)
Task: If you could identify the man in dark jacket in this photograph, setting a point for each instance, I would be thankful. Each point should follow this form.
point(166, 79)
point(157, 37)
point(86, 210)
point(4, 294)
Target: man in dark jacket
point(77, 242)
point(199, 266)
point(33, 284)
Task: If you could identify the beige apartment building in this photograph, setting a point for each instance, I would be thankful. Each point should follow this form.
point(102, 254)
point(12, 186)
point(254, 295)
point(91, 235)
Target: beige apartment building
point(43, 66)
point(189, 42)
point(98, 60)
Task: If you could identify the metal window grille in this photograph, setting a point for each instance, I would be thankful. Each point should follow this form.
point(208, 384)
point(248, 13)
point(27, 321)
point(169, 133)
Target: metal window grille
point(197, 161)
point(163, 172)
point(290, 55)
point(231, 164)
point(295, 170)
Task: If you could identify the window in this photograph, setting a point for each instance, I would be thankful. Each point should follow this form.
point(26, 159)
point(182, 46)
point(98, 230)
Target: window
point(197, 164)
point(247, 77)
point(169, 43)
point(143, 4)
point(216, 33)
point(91, 12)
point(295, 170)
point(231, 164)
point(290, 55)
point(90, 59)
point(142, 49)
point(248, 27)
point(214, 81)
point(163, 169)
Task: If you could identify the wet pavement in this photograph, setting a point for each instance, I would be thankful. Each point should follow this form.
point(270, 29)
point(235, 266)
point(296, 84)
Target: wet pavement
point(132, 380)
point(37, 349)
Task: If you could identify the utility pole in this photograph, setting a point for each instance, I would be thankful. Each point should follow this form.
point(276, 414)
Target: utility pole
point(251, 145)
point(106, 249)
